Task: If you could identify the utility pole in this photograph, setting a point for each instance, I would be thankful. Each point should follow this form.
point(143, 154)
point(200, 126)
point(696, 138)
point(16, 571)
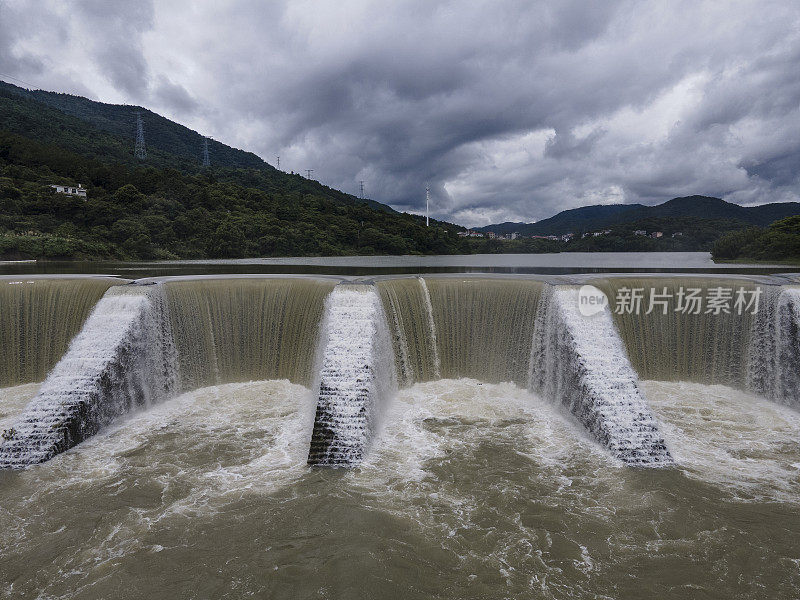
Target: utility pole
point(139, 150)
point(362, 189)
point(427, 206)
point(206, 158)
point(308, 173)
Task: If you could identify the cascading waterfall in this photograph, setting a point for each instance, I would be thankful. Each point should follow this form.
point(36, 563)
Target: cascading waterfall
point(243, 329)
point(581, 362)
point(38, 318)
point(773, 356)
point(122, 359)
point(456, 327)
point(355, 375)
point(411, 336)
point(682, 346)
point(494, 330)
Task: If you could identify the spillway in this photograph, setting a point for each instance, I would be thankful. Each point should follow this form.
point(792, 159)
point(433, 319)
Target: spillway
point(352, 343)
point(580, 361)
point(773, 357)
point(246, 329)
point(677, 345)
point(122, 359)
point(355, 376)
point(454, 327)
point(39, 316)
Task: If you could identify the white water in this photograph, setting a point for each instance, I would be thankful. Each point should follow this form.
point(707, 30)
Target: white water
point(732, 439)
point(581, 362)
point(774, 352)
point(470, 490)
point(407, 442)
point(122, 359)
point(356, 375)
point(136, 484)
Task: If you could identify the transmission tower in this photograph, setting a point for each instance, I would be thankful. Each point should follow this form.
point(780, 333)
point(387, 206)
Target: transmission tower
point(139, 151)
point(308, 173)
point(206, 158)
point(427, 206)
point(362, 189)
point(279, 163)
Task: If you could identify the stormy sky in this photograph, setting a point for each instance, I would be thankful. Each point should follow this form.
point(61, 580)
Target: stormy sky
point(509, 110)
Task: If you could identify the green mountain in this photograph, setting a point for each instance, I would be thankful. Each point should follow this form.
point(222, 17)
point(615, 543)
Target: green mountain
point(592, 218)
point(106, 133)
point(169, 206)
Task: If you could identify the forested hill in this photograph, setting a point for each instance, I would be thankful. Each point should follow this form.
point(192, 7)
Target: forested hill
point(168, 206)
point(106, 132)
point(592, 218)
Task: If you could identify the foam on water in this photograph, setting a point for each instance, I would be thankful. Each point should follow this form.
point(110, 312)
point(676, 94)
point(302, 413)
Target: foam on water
point(187, 458)
point(407, 442)
point(730, 438)
point(455, 453)
point(470, 490)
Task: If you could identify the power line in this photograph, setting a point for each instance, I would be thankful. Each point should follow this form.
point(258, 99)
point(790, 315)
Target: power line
point(17, 79)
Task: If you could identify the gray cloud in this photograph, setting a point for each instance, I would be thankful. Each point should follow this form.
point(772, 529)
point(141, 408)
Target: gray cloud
point(509, 110)
point(113, 30)
point(174, 96)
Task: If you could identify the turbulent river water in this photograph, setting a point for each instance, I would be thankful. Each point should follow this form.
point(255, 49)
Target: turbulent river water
point(468, 490)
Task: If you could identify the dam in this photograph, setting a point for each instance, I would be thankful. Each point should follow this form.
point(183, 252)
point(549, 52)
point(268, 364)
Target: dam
point(389, 399)
point(355, 342)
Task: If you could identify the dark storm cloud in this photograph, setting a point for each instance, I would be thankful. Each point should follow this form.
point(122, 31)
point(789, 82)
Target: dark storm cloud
point(508, 110)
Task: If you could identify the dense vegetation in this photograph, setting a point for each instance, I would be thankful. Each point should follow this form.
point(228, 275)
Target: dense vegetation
point(780, 242)
point(146, 213)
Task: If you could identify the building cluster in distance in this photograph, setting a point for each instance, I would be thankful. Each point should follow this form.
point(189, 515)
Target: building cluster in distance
point(556, 238)
point(513, 236)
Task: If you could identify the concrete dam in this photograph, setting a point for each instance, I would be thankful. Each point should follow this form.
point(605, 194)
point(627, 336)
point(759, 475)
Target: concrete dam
point(104, 348)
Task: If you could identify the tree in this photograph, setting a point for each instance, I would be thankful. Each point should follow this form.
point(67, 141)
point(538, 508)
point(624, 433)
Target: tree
point(227, 241)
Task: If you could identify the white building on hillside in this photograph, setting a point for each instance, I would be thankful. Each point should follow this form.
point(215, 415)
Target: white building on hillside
point(70, 190)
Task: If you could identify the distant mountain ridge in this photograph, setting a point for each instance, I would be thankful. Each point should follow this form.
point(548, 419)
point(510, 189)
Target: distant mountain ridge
point(590, 218)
